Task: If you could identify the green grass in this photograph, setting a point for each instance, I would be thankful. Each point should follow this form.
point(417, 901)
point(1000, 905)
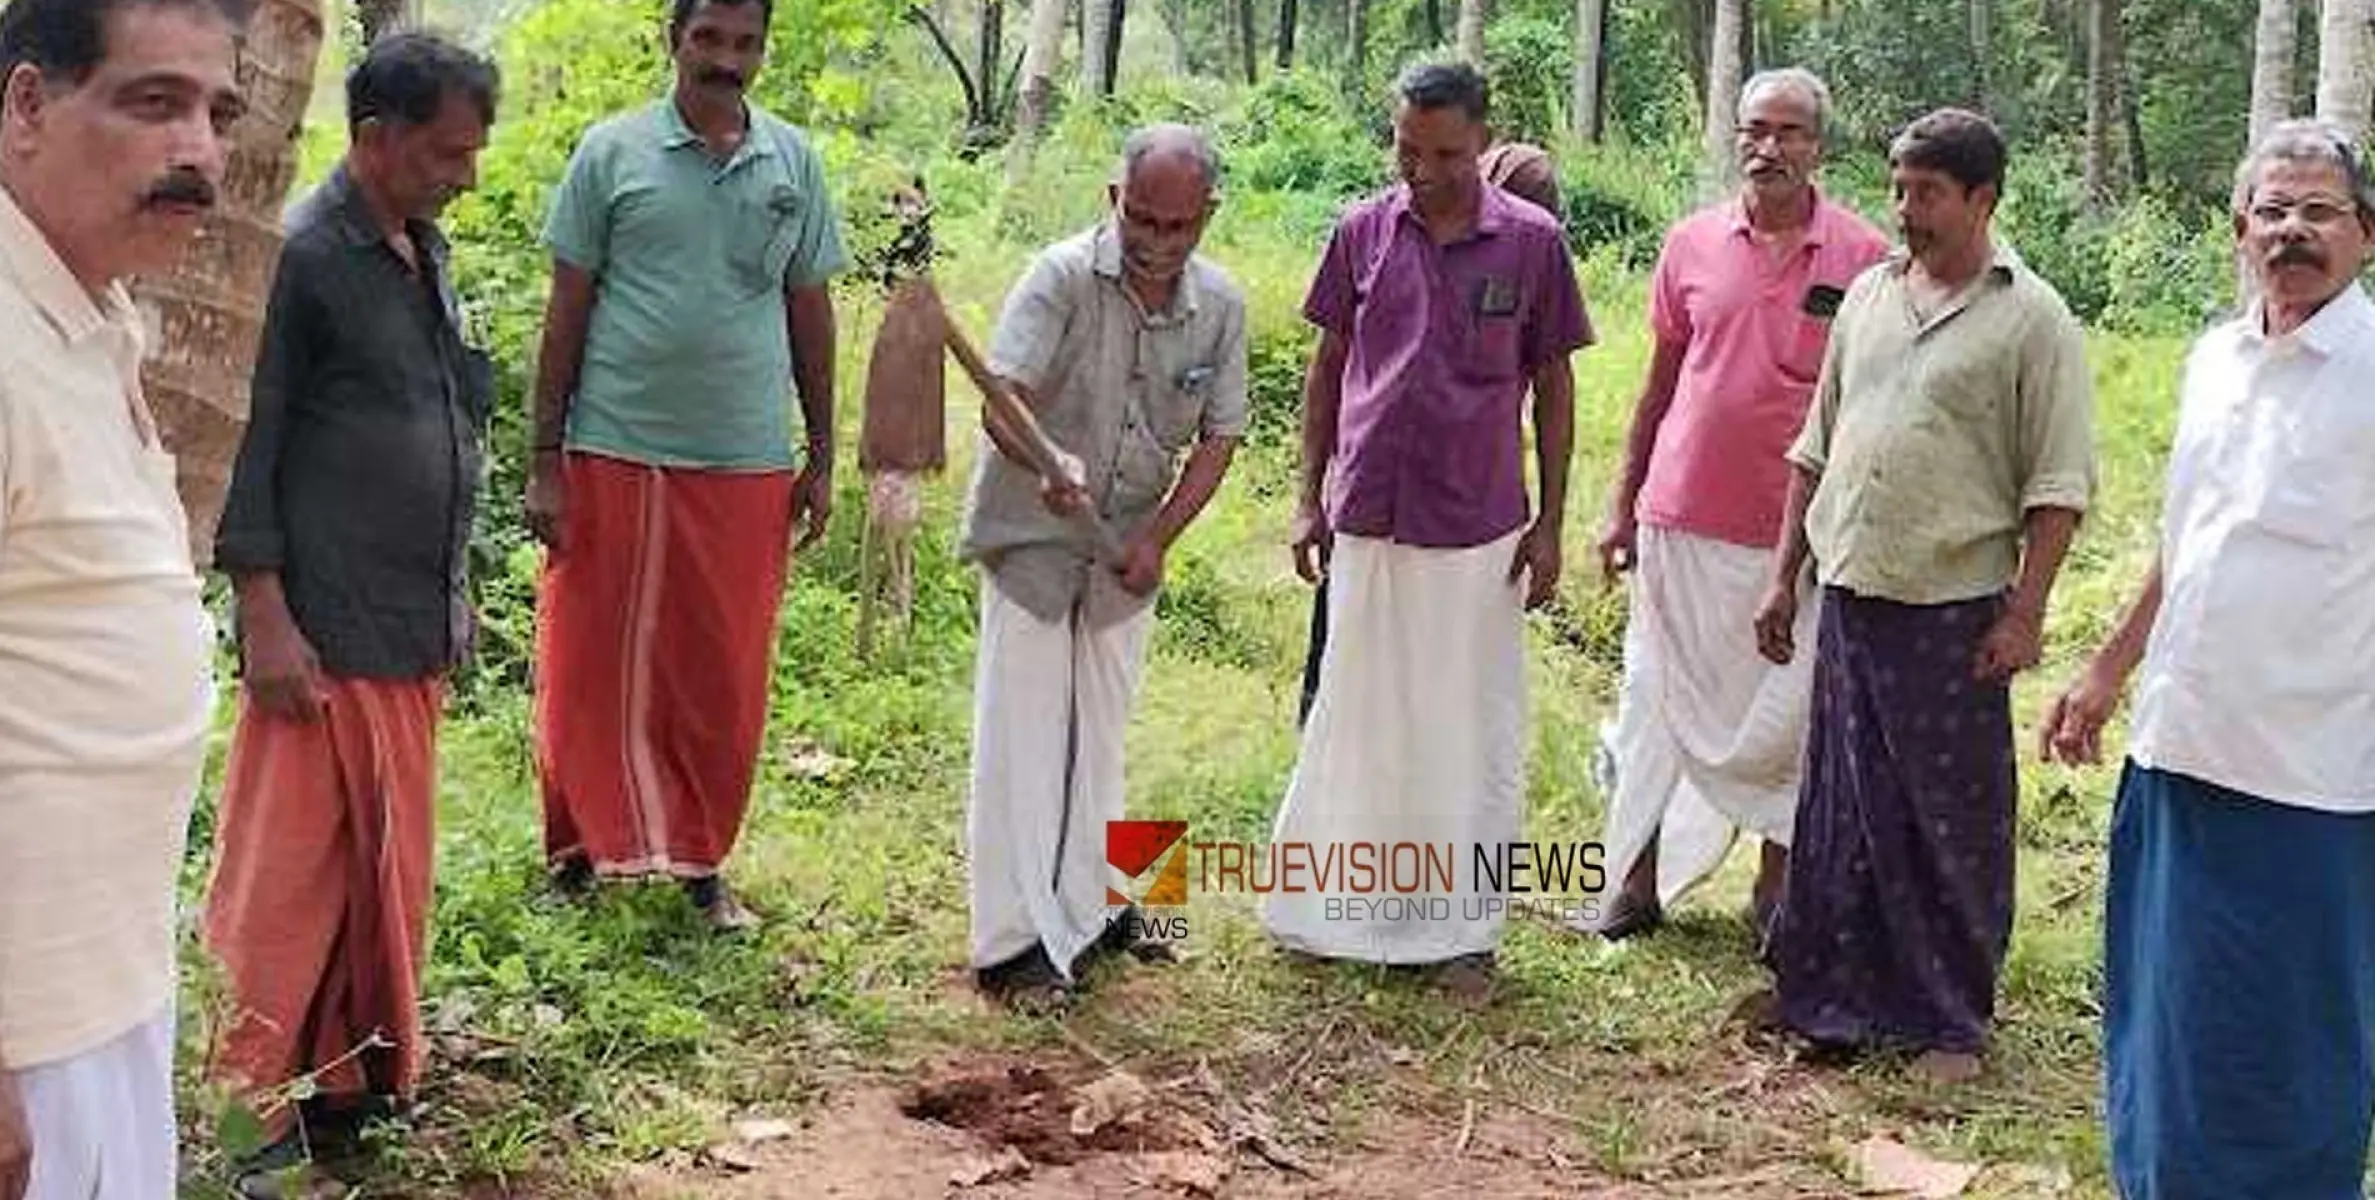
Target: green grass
point(571, 1041)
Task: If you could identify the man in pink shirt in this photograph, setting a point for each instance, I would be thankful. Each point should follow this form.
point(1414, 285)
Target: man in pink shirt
point(1708, 734)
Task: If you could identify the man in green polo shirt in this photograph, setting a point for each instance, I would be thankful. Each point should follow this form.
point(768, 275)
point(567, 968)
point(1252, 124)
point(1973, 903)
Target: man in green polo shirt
point(692, 242)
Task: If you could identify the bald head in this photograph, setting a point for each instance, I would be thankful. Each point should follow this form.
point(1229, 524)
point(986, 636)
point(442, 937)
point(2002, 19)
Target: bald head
point(1169, 147)
point(1162, 196)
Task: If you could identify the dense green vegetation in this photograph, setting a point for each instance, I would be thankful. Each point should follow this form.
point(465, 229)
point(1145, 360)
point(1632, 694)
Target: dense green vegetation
point(572, 1041)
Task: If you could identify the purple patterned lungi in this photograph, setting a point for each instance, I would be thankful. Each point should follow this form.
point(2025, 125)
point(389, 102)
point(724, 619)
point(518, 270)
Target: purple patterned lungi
point(1899, 906)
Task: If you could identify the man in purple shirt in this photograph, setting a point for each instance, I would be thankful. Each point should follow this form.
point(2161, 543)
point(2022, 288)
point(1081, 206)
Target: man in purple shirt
point(1440, 303)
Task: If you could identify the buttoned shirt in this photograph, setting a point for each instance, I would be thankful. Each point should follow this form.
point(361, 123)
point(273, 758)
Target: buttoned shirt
point(688, 360)
point(1753, 326)
point(2260, 672)
point(1444, 342)
point(1126, 390)
point(1935, 436)
point(358, 476)
point(105, 657)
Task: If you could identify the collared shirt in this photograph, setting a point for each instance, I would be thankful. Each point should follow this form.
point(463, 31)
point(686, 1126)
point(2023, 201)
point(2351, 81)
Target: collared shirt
point(1126, 390)
point(2260, 672)
point(1753, 327)
point(1934, 438)
point(1444, 343)
point(688, 361)
point(105, 658)
point(358, 476)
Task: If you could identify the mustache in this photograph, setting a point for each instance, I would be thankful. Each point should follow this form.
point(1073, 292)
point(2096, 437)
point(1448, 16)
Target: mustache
point(2296, 254)
point(721, 76)
point(181, 186)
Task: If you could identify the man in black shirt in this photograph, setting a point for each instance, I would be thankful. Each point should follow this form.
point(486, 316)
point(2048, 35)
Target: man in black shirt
point(345, 530)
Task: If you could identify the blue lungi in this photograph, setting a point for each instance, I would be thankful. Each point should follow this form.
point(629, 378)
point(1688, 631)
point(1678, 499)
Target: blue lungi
point(2239, 979)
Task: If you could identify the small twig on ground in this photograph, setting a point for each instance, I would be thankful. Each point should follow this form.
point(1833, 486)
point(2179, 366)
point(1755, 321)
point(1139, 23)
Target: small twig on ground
point(1309, 1052)
point(1459, 1148)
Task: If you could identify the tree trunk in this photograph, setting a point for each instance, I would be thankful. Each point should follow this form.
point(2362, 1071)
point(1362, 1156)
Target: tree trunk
point(1035, 91)
point(1723, 88)
point(990, 58)
point(1096, 29)
point(2102, 96)
point(1287, 20)
point(207, 316)
point(1102, 41)
point(1434, 22)
point(2346, 64)
point(1248, 39)
point(1043, 52)
point(1473, 15)
point(1356, 48)
point(2139, 175)
point(1981, 17)
point(1587, 111)
point(2272, 66)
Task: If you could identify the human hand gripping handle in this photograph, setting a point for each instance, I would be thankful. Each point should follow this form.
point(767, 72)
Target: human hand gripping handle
point(1062, 477)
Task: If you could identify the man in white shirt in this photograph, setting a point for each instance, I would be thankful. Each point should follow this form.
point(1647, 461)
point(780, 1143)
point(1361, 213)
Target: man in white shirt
point(2239, 959)
point(112, 115)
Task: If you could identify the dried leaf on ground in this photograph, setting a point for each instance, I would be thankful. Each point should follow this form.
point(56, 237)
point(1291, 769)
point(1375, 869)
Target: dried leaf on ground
point(1119, 1098)
point(760, 1131)
point(1886, 1166)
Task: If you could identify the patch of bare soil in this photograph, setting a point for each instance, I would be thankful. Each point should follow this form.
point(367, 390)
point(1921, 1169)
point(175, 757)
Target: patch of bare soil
point(1001, 1129)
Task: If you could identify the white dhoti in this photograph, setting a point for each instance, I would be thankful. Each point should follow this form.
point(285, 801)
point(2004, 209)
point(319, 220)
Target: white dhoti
point(1709, 734)
point(102, 1121)
point(1417, 735)
point(1051, 706)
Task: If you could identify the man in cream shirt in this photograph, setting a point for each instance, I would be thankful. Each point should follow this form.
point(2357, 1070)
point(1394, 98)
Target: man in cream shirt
point(111, 121)
point(2239, 930)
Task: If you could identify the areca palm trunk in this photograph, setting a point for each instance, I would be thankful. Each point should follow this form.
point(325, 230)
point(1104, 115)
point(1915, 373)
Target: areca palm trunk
point(204, 320)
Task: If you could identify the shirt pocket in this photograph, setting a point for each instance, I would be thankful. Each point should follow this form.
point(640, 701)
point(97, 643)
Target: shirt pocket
point(1174, 404)
point(766, 228)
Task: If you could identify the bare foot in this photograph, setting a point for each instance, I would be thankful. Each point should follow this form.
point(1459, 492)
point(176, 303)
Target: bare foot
point(1947, 1067)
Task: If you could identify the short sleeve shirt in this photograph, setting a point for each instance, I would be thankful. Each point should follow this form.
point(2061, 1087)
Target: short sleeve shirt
point(1445, 341)
point(1934, 438)
point(2260, 673)
point(1126, 390)
point(1753, 328)
point(688, 360)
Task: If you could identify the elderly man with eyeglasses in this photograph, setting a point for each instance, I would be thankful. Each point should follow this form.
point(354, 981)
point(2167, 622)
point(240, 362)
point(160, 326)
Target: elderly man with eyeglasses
point(1128, 349)
point(1708, 734)
point(2239, 955)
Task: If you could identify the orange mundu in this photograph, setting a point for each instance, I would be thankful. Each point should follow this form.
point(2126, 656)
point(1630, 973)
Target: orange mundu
point(655, 627)
point(320, 903)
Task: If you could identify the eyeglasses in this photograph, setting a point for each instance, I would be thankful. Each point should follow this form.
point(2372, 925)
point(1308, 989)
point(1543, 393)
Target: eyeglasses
point(2317, 210)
